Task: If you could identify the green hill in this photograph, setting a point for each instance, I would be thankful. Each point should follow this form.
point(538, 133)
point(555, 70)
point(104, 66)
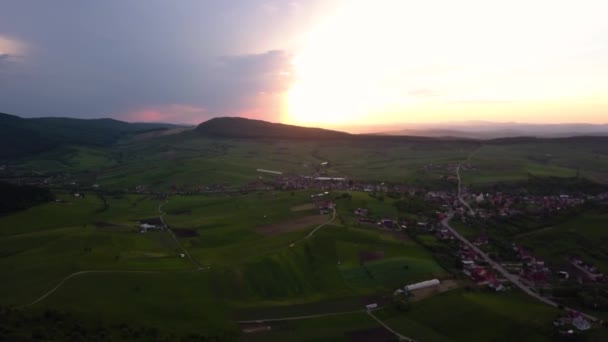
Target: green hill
point(234, 127)
point(21, 137)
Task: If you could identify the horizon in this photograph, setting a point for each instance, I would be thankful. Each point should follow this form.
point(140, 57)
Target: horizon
point(466, 63)
point(456, 126)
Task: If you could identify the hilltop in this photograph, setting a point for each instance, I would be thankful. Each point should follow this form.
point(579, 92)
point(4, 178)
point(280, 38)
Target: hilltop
point(21, 137)
point(235, 127)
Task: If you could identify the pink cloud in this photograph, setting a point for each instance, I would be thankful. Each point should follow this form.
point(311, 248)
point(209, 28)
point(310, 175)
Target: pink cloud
point(174, 113)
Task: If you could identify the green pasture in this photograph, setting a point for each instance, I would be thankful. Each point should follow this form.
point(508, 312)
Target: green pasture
point(585, 235)
point(469, 316)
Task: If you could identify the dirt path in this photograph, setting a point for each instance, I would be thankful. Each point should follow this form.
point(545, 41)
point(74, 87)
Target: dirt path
point(329, 314)
point(401, 337)
point(293, 318)
point(471, 211)
point(291, 225)
point(194, 262)
point(64, 280)
point(333, 217)
point(533, 232)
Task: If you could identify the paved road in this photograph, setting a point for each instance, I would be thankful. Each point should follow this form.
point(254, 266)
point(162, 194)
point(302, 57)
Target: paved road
point(511, 277)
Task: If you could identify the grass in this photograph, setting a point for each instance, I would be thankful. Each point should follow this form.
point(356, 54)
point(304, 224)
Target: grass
point(485, 317)
point(585, 235)
point(44, 244)
point(333, 328)
point(391, 273)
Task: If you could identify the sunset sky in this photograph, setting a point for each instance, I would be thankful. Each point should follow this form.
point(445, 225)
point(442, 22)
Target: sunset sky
point(331, 63)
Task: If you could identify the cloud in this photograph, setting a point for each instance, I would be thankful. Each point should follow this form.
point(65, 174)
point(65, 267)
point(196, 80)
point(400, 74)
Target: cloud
point(265, 72)
point(250, 83)
point(174, 113)
point(5, 58)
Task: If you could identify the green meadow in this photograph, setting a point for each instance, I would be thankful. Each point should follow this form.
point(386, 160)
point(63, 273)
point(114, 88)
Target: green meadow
point(247, 256)
point(121, 275)
point(474, 316)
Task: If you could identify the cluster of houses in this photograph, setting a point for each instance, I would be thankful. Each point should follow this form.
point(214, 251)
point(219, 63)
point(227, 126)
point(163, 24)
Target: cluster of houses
point(323, 203)
point(480, 274)
point(592, 273)
point(504, 205)
point(570, 321)
point(385, 223)
point(531, 269)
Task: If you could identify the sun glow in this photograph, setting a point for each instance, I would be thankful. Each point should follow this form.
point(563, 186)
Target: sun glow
point(410, 61)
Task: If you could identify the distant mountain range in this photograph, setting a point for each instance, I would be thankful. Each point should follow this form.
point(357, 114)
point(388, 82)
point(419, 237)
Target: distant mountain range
point(20, 137)
point(492, 130)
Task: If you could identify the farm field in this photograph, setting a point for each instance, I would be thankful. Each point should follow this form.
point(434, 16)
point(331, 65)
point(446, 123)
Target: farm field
point(91, 247)
point(585, 236)
point(188, 161)
point(239, 249)
point(487, 316)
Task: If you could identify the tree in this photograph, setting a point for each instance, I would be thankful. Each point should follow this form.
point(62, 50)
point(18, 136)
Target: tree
point(401, 300)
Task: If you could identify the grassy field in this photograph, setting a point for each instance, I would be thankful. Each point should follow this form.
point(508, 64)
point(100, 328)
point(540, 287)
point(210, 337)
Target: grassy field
point(469, 316)
point(141, 277)
point(512, 162)
point(333, 328)
point(187, 161)
point(248, 269)
point(585, 235)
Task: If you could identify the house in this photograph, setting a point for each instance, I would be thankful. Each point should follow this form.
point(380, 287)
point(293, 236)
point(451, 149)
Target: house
point(468, 264)
point(478, 274)
point(388, 223)
point(496, 286)
point(146, 227)
point(580, 323)
point(361, 212)
point(481, 240)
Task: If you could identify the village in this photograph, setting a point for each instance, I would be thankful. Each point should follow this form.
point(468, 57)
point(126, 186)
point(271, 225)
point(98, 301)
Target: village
point(530, 270)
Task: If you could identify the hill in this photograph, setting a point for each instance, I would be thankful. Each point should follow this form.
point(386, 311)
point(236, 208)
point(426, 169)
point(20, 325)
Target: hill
point(21, 137)
point(235, 127)
point(14, 197)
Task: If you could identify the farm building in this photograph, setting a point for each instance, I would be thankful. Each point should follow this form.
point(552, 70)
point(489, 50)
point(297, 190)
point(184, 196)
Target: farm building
point(146, 227)
point(422, 285)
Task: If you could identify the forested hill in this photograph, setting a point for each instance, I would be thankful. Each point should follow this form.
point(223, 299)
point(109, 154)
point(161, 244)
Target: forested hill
point(15, 197)
point(21, 137)
point(235, 127)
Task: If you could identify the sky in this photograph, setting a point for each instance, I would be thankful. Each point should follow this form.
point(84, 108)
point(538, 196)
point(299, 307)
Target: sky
point(328, 63)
